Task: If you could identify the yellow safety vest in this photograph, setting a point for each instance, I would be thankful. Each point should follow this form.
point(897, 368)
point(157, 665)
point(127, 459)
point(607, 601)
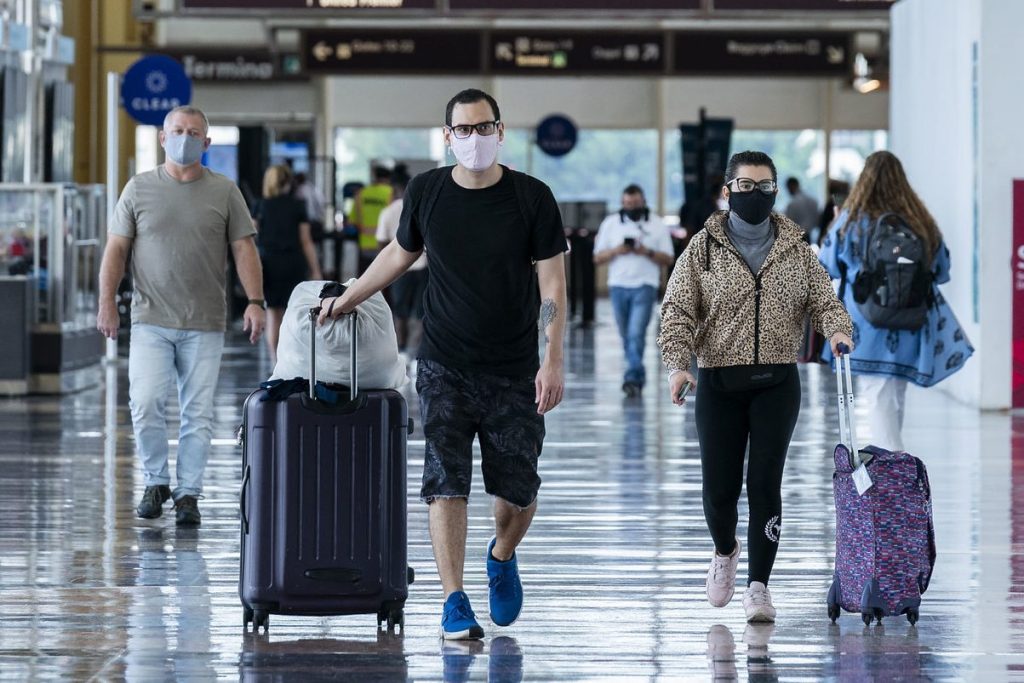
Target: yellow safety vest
point(371, 200)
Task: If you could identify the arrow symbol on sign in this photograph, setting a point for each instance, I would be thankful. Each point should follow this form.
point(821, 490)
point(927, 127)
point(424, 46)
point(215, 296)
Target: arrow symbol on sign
point(322, 51)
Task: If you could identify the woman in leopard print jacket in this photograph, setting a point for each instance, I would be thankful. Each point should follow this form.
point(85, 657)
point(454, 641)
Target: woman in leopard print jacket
point(738, 298)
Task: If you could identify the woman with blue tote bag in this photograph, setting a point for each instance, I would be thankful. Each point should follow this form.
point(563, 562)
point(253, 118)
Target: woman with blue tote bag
point(888, 253)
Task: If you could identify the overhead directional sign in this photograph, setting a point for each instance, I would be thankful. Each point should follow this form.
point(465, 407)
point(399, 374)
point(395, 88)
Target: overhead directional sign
point(311, 5)
point(561, 5)
point(203, 64)
point(398, 51)
point(577, 52)
point(738, 52)
point(804, 4)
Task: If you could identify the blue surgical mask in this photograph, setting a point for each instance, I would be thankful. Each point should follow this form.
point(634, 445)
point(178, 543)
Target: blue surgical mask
point(183, 149)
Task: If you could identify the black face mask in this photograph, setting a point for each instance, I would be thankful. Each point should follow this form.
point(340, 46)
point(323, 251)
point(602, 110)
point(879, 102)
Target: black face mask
point(754, 207)
point(635, 214)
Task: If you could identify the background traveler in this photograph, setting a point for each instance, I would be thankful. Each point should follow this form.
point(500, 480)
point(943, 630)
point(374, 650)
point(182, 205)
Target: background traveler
point(802, 209)
point(887, 359)
point(176, 222)
point(369, 201)
point(738, 298)
point(286, 248)
point(636, 245)
point(407, 291)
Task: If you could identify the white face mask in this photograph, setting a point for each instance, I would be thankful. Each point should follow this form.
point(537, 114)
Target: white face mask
point(477, 152)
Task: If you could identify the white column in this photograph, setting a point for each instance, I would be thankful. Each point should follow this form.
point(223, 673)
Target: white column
point(955, 124)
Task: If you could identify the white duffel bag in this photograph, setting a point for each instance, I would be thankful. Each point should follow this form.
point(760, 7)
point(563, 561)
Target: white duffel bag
point(377, 363)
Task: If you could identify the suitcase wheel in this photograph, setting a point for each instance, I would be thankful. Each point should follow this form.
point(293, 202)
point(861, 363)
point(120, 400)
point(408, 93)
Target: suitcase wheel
point(410, 575)
point(247, 616)
point(912, 616)
point(394, 616)
point(833, 612)
point(261, 619)
point(875, 613)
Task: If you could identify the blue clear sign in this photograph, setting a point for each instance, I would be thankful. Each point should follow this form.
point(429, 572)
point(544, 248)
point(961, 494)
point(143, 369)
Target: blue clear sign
point(556, 135)
point(153, 86)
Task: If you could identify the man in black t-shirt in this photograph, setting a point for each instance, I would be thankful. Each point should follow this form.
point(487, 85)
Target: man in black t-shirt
point(495, 241)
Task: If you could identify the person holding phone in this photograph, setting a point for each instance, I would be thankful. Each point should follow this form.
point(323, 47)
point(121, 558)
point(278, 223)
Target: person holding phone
point(737, 298)
point(636, 245)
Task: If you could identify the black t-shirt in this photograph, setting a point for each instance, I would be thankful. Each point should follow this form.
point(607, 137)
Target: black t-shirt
point(279, 218)
point(482, 301)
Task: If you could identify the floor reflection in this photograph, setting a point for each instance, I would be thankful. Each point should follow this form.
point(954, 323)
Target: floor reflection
point(613, 569)
point(264, 658)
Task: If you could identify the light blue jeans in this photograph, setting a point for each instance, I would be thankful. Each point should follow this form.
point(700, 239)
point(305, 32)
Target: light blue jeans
point(158, 357)
point(633, 306)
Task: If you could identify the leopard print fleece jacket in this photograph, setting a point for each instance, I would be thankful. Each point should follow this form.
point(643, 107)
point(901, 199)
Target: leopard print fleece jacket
point(718, 309)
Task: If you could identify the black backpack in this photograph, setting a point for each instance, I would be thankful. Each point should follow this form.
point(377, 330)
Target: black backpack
point(894, 287)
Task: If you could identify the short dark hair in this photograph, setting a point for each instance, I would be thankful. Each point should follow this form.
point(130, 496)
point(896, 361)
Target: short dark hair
point(633, 188)
point(381, 173)
point(400, 177)
point(792, 183)
point(749, 158)
point(469, 96)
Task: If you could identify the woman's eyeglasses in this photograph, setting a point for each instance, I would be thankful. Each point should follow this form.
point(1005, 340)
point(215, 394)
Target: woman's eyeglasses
point(485, 128)
point(748, 185)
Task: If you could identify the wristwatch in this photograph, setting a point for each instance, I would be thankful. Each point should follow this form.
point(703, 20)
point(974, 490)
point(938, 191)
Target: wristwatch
point(258, 302)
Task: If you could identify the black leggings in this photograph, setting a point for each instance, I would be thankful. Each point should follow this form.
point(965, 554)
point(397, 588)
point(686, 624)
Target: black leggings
point(725, 422)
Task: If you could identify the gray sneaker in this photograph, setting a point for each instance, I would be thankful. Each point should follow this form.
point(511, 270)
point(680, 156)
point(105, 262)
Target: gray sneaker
point(152, 504)
point(187, 511)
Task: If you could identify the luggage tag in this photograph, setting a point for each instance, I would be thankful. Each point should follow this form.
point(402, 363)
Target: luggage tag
point(861, 479)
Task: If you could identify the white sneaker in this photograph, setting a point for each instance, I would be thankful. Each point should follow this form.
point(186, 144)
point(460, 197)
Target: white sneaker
point(757, 603)
point(721, 583)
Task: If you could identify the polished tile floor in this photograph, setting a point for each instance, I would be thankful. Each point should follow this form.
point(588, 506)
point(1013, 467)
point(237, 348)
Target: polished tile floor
point(613, 567)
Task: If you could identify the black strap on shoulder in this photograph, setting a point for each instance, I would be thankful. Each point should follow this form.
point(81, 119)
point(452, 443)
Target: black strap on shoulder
point(431, 191)
point(842, 281)
point(435, 181)
point(519, 181)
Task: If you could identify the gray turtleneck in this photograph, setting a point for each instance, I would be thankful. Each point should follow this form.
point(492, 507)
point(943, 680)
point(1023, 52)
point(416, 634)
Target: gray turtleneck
point(752, 241)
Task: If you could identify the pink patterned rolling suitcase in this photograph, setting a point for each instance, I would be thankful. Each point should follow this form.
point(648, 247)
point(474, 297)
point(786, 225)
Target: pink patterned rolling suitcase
point(885, 539)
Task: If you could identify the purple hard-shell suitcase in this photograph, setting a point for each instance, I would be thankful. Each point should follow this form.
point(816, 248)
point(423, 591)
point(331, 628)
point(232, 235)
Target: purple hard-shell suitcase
point(323, 504)
point(885, 538)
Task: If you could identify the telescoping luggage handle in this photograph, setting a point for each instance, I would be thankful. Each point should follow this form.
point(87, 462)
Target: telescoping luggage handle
point(844, 394)
point(314, 313)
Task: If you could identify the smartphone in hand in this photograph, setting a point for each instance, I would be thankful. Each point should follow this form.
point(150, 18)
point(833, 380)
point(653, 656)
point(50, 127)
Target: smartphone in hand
point(683, 391)
point(630, 242)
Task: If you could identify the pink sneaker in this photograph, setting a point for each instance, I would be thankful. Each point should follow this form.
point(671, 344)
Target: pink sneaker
point(721, 583)
point(757, 602)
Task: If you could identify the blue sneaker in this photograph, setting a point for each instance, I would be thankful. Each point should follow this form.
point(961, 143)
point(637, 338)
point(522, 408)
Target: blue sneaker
point(458, 621)
point(506, 588)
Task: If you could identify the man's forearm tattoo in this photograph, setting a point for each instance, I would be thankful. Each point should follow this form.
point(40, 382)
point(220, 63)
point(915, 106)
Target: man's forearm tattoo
point(548, 313)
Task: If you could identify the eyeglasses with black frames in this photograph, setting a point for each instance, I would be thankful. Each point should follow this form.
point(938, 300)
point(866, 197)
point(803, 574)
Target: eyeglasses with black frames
point(484, 128)
point(748, 185)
